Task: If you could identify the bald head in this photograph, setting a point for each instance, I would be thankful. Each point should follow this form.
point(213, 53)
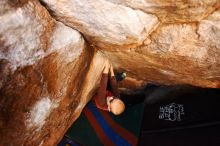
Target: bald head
point(117, 106)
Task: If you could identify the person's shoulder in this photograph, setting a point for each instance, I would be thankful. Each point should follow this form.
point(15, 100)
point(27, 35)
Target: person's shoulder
point(109, 93)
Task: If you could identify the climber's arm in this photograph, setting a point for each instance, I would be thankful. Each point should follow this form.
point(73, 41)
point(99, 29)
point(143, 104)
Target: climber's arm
point(101, 99)
point(114, 85)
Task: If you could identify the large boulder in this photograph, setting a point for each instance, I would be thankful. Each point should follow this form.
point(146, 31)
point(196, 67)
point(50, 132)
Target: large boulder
point(173, 11)
point(48, 74)
point(105, 24)
point(176, 54)
point(182, 49)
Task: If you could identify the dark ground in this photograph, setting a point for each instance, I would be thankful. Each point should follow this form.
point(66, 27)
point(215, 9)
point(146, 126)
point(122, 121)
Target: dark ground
point(178, 115)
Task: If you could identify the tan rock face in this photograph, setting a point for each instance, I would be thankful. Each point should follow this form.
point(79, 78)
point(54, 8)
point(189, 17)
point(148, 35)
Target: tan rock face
point(171, 11)
point(45, 75)
point(105, 24)
point(176, 54)
point(48, 72)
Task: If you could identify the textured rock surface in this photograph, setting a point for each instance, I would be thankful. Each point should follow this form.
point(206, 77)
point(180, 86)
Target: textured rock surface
point(48, 73)
point(171, 11)
point(105, 24)
point(44, 83)
point(175, 52)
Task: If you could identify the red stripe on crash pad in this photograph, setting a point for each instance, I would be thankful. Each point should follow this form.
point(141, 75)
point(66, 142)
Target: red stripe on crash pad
point(131, 138)
point(99, 132)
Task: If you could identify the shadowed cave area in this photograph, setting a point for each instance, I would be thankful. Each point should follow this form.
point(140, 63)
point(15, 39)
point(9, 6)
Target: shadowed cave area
point(164, 54)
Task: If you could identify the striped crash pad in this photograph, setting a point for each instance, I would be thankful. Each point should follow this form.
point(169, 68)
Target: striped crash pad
point(96, 127)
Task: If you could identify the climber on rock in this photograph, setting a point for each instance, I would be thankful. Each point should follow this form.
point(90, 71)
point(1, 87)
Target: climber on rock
point(109, 100)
